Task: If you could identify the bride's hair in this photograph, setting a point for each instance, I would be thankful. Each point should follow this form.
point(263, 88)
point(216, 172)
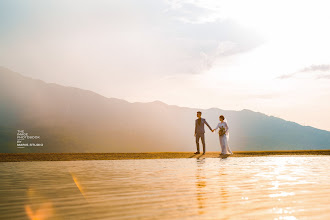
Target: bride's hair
point(222, 117)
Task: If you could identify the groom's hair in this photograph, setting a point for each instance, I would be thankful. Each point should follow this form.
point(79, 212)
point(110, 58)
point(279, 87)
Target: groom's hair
point(199, 112)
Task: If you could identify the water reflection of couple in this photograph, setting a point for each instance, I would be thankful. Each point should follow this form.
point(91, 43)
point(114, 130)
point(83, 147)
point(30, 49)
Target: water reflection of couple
point(223, 133)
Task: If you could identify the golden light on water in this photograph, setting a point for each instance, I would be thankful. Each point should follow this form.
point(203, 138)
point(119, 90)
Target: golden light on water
point(75, 180)
point(40, 208)
point(211, 188)
point(45, 211)
point(201, 195)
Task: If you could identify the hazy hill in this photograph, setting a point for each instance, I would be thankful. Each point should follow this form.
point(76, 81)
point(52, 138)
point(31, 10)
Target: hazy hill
point(75, 120)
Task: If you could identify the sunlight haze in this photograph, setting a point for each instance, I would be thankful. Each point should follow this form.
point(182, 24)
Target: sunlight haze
point(267, 56)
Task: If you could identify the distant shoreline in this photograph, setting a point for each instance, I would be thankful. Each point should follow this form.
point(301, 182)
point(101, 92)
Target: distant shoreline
point(20, 157)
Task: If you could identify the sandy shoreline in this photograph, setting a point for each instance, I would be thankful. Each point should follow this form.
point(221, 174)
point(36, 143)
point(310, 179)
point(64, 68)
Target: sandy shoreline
point(17, 157)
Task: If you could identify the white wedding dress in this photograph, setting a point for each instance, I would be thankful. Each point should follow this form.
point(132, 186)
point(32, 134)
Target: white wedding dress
point(224, 138)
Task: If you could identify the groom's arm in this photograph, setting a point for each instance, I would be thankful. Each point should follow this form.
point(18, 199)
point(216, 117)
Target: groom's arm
point(195, 126)
point(208, 125)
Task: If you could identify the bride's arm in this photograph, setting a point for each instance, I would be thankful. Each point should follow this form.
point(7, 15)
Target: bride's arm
point(227, 128)
point(217, 127)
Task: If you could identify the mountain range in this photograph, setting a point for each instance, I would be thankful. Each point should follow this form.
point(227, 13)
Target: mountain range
point(69, 119)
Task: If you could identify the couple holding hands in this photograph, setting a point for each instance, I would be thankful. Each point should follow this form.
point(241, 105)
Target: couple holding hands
point(223, 133)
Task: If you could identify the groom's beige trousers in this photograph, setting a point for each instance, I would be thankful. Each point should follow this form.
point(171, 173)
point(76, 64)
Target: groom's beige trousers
point(202, 136)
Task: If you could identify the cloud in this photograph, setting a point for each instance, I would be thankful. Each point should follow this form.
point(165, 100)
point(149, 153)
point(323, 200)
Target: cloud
point(188, 12)
point(207, 42)
point(148, 37)
point(286, 76)
point(310, 69)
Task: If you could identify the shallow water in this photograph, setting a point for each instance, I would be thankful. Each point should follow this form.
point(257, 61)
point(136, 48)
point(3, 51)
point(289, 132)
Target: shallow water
point(295, 187)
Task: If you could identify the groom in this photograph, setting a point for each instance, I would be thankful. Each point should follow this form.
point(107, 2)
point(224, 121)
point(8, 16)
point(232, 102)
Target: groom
point(199, 131)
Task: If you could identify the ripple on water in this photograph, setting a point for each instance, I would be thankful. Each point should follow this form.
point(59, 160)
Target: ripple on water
point(210, 188)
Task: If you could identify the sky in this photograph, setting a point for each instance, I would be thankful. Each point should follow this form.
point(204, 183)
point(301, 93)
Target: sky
point(267, 56)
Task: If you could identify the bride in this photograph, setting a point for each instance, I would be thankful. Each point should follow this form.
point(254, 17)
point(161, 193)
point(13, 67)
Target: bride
point(223, 135)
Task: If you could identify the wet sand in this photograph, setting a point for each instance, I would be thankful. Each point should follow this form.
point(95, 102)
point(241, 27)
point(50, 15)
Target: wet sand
point(17, 157)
